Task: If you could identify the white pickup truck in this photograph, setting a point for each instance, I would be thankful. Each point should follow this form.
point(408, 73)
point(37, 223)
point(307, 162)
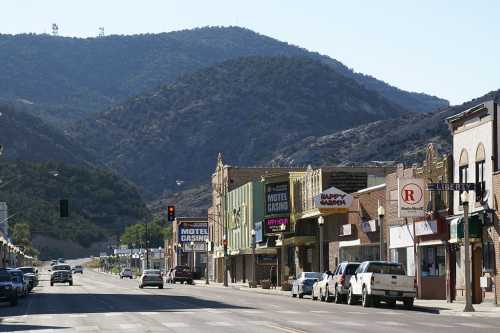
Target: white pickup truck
point(376, 281)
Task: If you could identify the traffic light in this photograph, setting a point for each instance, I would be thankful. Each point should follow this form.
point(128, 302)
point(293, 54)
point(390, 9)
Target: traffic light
point(63, 208)
point(171, 213)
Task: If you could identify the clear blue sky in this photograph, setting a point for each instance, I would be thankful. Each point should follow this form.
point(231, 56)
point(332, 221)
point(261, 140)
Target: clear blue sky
point(446, 48)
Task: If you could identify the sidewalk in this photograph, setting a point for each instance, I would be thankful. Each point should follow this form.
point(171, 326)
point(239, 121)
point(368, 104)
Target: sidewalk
point(430, 306)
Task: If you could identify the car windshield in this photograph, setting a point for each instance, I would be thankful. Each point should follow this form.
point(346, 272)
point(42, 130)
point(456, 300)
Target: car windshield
point(311, 275)
point(151, 272)
point(182, 268)
point(27, 269)
point(62, 268)
point(126, 270)
point(351, 269)
point(386, 268)
point(78, 267)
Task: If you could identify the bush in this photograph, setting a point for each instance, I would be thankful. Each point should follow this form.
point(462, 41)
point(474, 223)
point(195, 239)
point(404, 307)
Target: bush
point(266, 284)
point(286, 285)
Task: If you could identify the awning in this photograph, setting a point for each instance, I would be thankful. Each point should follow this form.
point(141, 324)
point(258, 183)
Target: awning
point(457, 229)
point(350, 243)
point(300, 240)
point(432, 242)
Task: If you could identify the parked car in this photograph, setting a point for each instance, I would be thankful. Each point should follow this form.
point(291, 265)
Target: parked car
point(61, 274)
point(7, 290)
point(151, 278)
point(320, 288)
point(126, 273)
point(19, 282)
point(180, 274)
point(376, 281)
point(31, 275)
point(77, 269)
point(304, 283)
point(340, 281)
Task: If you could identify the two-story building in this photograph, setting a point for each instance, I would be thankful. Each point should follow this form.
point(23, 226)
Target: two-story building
point(476, 158)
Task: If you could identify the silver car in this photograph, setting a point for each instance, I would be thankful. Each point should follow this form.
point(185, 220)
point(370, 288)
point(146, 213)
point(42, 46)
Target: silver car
point(339, 282)
point(303, 285)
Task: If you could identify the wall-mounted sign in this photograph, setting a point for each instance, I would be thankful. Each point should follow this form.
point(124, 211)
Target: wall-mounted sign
point(258, 232)
point(423, 228)
point(411, 197)
point(277, 198)
point(266, 259)
point(273, 225)
point(196, 232)
point(400, 236)
point(345, 230)
point(369, 226)
point(333, 199)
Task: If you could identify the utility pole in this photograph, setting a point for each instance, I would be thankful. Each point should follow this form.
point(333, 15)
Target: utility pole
point(253, 257)
point(468, 292)
point(147, 245)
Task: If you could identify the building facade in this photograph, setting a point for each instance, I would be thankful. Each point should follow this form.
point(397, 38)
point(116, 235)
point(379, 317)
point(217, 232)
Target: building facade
point(190, 236)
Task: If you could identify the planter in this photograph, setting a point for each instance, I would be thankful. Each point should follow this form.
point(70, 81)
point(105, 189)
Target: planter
point(252, 284)
point(266, 284)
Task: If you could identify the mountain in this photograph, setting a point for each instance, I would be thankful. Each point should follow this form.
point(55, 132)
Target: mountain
point(401, 139)
point(247, 108)
point(101, 205)
point(64, 79)
point(25, 137)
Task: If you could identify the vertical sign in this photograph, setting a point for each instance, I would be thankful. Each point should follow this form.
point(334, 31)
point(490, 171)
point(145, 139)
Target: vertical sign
point(277, 198)
point(411, 197)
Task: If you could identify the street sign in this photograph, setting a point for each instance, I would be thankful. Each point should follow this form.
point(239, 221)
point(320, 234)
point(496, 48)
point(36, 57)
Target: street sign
point(451, 187)
point(411, 197)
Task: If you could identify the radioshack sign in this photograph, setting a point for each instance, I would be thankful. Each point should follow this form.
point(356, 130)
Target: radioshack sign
point(333, 199)
point(411, 197)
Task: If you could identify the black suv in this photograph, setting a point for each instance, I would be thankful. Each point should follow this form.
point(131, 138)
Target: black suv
point(7, 290)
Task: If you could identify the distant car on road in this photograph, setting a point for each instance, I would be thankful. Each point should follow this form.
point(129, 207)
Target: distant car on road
point(304, 283)
point(180, 274)
point(7, 290)
point(376, 281)
point(126, 273)
point(77, 269)
point(19, 282)
point(320, 288)
point(151, 278)
point(61, 274)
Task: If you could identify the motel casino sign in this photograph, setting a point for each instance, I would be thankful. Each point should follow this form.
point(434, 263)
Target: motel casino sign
point(277, 198)
point(196, 232)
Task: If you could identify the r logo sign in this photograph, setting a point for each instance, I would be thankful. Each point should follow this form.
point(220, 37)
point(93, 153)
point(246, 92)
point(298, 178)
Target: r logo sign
point(411, 197)
point(412, 194)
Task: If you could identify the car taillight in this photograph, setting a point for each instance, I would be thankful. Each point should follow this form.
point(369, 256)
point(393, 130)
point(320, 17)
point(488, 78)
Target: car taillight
point(342, 279)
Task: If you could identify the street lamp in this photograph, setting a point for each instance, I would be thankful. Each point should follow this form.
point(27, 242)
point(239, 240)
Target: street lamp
point(321, 222)
point(253, 257)
point(206, 262)
point(468, 295)
point(381, 214)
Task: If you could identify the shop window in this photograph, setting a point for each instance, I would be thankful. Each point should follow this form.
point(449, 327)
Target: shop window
point(400, 256)
point(488, 257)
point(480, 183)
point(433, 261)
point(359, 253)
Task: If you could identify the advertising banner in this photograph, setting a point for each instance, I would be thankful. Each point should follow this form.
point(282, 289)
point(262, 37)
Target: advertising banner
point(423, 228)
point(411, 197)
point(193, 232)
point(273, 225)
point(277, 198)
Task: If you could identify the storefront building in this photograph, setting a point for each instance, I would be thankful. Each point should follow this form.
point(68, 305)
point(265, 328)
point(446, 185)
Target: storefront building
point(476, 158)
point(424, 240)
point(190, 235)
point(327, 182)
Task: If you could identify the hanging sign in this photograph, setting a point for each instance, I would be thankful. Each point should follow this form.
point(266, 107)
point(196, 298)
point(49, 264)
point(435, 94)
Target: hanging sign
point(333, 199)
point(411, 197)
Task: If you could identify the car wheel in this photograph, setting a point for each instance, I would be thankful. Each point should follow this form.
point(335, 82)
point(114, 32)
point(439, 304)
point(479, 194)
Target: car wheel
point(301, 295)
point(322, 296)
point(391, 303)
point(141, 286)
point(366, 300)
point(52, 284)
point(160, 286)
point(408, 302)
point(70, 283)
point(328, 296)
point(313, 296)
point(350, 297)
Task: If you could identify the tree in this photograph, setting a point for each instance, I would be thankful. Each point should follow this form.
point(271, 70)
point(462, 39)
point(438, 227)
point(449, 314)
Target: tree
point(157, 231)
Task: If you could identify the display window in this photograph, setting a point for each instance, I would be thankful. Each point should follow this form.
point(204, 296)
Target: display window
point(432, 261)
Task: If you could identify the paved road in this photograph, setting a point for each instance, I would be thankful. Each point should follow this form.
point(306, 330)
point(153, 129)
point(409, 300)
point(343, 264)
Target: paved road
point(102, 303)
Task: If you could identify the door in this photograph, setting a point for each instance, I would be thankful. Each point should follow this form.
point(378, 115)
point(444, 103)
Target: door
point(477, 264)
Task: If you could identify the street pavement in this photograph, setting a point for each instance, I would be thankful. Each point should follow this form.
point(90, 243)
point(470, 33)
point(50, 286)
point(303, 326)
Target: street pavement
point(99, 302)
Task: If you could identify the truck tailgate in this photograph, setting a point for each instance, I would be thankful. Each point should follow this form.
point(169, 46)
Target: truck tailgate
point(393, 282)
